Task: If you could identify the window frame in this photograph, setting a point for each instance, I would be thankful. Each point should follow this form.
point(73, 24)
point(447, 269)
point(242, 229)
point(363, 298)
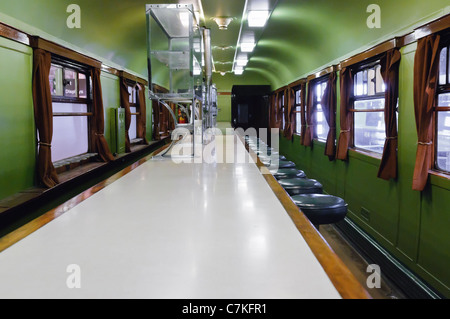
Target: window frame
point(319, 81)
point(440, 89)
point(370, 63)
point(67, 64)
point(133, 102)
point(298, 108)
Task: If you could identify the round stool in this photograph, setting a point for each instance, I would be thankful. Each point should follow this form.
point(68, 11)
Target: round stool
point(281, 164)
point(321, 209)
point(266, 158)
point(285, 173)
point(297, 186)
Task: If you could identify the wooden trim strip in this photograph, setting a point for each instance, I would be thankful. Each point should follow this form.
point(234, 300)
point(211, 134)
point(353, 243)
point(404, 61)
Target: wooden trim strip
point(321, 73)
point(297, 83)
point(341, 277)
point(376, 50)
point(27, 229)
point(110, 70)
point(223, 93)
point(132, 77)
point(39, 43)
point(13, 34)
point(435, 26)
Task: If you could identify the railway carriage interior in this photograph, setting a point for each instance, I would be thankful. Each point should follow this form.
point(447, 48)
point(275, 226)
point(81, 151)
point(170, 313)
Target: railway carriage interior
point(225, 149)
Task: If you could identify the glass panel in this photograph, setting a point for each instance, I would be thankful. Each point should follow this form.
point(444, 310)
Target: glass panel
point(371, 81)
point(70, 83)
point(358, 90)
point(370, 131)
point(443, 141)
point(68, 107)
point(444, 99)
point(298, 97)
point(374, 104)
point(379, 80)
point(443, 66)
point(298, 120)
point(364, 82)
point(55, 79)
point(82, 86)
point(132, 132)
point(130, 94)
point(322, 127)
point(70, 136)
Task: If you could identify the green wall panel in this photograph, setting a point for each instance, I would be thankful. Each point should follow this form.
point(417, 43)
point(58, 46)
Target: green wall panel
point(17, 129)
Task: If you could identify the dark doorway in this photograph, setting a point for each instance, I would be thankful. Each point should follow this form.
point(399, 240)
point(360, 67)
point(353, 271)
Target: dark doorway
point(250, 106)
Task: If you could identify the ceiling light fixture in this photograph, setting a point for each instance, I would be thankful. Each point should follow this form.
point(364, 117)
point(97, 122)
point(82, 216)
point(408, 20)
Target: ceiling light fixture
point(254, 20)
point(223, 22)
point(238, 70)
point(257, 19)
point(247, 46)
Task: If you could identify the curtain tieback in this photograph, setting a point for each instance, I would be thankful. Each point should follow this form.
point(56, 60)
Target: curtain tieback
point(392, 138)
point(345, 131)
point(45, 144)
point(99, 134)
point(425, 143)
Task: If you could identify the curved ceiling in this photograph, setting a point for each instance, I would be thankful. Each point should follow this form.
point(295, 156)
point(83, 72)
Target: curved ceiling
point(300, 37)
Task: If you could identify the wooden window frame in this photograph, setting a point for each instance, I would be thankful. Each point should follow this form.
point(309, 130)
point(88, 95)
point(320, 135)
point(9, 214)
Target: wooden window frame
point(367, 64)
point(441, 89)
point(297, 104)
point(66, 64)
point(318, 81)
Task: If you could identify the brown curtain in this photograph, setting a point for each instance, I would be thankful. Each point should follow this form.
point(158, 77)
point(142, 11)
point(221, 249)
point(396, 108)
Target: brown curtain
point(308, 136)
point(346, 89)
point(329, 110)
point(43, 116)
point(142, 117)
point(125, 102)
point(290, 114)
point(278, 114)
point(99, 118)
point(426, 64)
point(390, 63)
point(303, 113)
point(156, 119)
point(272, 115)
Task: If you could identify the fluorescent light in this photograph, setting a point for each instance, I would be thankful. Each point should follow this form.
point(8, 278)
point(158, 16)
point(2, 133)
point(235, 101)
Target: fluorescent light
point(241, 62)
point(247, 46)
point(238, 70)
point(257, 19)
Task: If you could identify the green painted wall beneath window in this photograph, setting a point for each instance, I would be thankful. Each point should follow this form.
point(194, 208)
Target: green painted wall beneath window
point(17, 129)
point(411, 225)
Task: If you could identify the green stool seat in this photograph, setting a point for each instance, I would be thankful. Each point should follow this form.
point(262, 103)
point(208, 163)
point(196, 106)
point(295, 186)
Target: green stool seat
point(285, 173)
point(297, 186)
point(280, 164)
point(268, 158)
point(320, 208)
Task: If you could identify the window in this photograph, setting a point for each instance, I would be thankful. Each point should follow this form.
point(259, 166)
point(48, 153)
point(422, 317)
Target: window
point(133, 98)
point(442, 112)
point(298, 110)
point(70, 86)
point(320, 122)
point(368, 108)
